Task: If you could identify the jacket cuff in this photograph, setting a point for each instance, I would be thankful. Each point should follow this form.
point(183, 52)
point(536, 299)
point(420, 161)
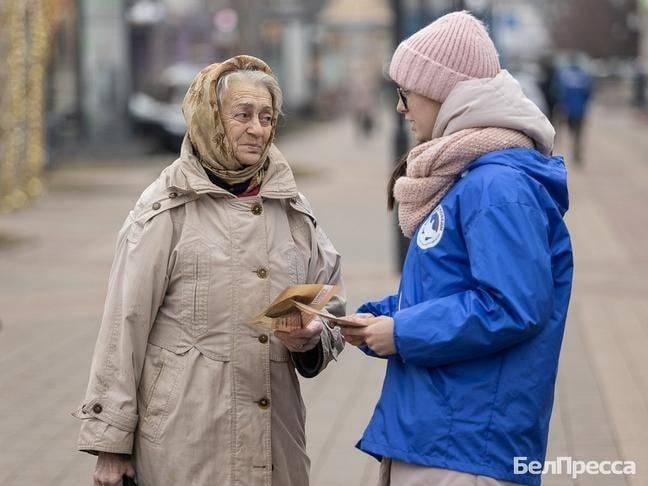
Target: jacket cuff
point(369, 352)
point(311, 362)
point(367, 308)
point(105, 427)
point(97, 436)
point(102, 409)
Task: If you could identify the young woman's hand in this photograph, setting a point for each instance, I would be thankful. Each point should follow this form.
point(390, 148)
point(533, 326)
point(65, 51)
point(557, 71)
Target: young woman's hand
point(302, 340)
point(355, 339)
point(375, 332)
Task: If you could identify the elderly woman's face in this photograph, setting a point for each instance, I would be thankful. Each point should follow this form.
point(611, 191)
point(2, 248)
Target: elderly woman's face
point(247, 118)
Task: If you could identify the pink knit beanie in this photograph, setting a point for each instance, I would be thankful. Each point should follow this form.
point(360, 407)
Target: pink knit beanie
point(454, 48)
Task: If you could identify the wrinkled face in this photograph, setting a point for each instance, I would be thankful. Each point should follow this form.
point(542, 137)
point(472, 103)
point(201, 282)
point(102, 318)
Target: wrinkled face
point(246, 113)
point(420, 112)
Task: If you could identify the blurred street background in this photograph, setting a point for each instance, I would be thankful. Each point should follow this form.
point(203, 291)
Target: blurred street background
point(90, 94)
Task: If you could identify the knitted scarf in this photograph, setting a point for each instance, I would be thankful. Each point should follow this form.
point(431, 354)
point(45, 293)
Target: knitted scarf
point(433, 167)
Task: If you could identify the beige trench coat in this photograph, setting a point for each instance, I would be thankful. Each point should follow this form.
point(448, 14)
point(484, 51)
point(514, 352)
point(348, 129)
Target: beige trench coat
point(178, 378)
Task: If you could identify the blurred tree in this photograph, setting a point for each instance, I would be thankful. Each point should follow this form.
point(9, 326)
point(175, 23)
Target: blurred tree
point(25, 39)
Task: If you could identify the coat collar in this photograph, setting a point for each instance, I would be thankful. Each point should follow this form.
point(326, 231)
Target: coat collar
point(185, 180)
point(186, 175)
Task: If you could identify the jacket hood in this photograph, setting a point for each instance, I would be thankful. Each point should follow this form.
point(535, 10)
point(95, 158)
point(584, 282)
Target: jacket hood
point(549, 171)
point(494, 102)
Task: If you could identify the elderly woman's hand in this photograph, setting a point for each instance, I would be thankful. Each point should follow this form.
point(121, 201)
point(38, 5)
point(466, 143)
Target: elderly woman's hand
point(111, 468)
point(302, 340)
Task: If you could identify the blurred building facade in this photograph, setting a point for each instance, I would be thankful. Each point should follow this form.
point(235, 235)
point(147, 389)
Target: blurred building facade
point(71, 66)
point(199, 32)
point(353, 42)
point(599, 28)
point(513, 20)
point(317, 48)
point(643, 45)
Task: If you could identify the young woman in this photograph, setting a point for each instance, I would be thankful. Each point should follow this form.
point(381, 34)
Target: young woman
point(473, 335)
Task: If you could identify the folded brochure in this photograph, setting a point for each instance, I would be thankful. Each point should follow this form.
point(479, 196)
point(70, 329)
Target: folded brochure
point(297, 305)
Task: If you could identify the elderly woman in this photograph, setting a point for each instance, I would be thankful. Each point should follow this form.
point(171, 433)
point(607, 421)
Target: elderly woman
point(182, 390)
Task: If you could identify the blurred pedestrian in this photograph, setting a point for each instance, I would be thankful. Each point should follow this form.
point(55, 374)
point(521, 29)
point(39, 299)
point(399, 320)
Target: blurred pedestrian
point(548, 85)
point(473, 335)
point(639, 86)
point(181, 390)
point(574, 87)
point(363, 102)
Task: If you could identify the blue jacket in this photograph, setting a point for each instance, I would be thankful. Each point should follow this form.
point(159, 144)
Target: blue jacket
point(574, 86)
point(478, 323)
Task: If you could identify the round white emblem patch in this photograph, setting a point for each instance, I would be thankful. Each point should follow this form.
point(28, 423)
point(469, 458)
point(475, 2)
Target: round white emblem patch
point(431, 231)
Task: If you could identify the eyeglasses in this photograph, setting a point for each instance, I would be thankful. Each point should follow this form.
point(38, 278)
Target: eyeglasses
point(402, 95)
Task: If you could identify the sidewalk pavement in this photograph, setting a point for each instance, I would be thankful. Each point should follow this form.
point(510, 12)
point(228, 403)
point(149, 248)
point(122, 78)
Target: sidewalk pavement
point(54, 278)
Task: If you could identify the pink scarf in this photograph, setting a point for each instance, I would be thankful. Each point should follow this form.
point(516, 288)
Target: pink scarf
point(433, 168)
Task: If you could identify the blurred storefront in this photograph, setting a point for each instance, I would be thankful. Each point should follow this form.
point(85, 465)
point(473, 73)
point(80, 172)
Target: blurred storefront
point(73, 67)
point(198, 32)
point(101, 66)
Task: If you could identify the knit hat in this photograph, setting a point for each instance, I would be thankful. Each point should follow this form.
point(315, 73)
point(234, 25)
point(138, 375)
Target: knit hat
point(454, 48)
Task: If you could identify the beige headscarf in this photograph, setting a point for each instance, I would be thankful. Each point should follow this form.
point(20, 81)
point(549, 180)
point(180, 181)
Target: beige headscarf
point(205, 129)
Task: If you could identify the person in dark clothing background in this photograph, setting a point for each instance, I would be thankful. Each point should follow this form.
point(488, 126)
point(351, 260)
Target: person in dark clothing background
point(574, 88)
point(548, 86)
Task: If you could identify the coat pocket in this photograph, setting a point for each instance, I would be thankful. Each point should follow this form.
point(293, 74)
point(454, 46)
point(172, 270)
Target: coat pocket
point(195, 275)
point(157, 392)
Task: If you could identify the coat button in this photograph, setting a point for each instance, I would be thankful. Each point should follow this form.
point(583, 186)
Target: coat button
point(173, 194)
point(97, 408)
point(262, 273)
point(264, 403)
point(257, 209)
point(156, 206)
point(263, 338)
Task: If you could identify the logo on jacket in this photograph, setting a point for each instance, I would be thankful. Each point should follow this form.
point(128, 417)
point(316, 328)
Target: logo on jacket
point(431, 231)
